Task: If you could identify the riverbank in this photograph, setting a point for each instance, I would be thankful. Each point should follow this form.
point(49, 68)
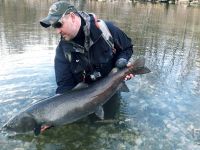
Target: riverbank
point(41, 4)
point(184, 2)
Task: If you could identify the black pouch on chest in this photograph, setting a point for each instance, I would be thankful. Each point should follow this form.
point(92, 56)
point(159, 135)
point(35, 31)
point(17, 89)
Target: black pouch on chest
point(77, 57)
point(79, 62)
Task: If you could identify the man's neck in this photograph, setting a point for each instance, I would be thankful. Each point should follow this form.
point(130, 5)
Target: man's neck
point(80, 37)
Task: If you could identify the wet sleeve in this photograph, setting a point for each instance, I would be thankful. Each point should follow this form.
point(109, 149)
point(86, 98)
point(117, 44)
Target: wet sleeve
point(64, 77)
point(122, 43)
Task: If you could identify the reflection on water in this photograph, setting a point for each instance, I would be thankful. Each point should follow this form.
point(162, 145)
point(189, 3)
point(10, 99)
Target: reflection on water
point(161, 111)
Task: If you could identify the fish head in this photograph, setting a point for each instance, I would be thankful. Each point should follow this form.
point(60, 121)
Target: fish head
point(21, 123)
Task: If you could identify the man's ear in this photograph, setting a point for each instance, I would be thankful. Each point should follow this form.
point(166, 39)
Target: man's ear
point(72, 15)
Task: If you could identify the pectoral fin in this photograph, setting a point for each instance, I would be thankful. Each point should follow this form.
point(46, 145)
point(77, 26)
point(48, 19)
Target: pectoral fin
point(100, 112)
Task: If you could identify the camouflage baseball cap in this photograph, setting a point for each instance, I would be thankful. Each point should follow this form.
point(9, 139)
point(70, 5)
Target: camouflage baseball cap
point(56, 11)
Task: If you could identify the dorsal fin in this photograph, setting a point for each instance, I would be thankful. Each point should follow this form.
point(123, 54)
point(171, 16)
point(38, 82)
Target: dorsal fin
point(124, 87)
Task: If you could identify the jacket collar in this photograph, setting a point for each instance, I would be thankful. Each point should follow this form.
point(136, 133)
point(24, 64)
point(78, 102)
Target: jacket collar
point(91, 32)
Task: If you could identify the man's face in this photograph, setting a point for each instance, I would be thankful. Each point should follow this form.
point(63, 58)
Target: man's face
point(69, 28)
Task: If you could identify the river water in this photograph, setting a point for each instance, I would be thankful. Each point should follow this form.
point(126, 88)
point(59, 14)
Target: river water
point(161, 111)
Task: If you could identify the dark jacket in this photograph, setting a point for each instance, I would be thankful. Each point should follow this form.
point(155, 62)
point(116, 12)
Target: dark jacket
point(76, 67)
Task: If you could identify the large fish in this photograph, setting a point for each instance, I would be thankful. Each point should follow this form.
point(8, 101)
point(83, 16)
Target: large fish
point(71, 106)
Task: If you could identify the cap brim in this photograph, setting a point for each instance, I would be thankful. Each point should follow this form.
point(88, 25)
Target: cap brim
point(49, 20)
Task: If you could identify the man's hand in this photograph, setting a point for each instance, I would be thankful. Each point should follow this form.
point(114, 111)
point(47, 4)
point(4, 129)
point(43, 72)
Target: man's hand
point(128, 77)
point(122, 63)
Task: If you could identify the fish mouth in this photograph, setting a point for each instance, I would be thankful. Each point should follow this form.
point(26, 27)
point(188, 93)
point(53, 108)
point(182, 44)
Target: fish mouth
point(7, 130)
point(5, 127)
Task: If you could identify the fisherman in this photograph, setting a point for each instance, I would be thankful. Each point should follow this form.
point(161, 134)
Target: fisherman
point(88, 49)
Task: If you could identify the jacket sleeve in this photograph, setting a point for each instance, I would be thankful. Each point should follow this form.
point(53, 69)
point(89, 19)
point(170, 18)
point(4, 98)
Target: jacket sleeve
point(122, 43)
point(64, 77)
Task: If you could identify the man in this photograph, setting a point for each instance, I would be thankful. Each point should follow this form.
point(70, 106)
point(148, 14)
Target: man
point(88, 50)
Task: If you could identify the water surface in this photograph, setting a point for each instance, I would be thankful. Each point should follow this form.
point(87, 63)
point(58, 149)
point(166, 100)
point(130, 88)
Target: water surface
point(161, 111)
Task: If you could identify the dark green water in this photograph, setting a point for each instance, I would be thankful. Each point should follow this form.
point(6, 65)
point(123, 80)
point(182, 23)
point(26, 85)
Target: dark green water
point(161, 111)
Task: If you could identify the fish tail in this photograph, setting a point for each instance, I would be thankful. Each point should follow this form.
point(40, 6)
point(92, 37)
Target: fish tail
point(139, 67)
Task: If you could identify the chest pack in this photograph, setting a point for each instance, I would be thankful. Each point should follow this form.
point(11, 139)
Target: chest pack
point(88, 42)
point(100, 24)
point(80, 61)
